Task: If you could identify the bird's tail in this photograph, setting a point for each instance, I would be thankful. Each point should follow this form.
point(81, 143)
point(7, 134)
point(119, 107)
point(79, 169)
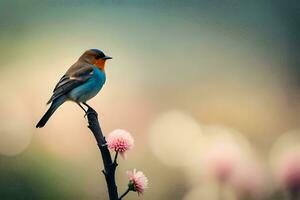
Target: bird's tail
point(55, 104)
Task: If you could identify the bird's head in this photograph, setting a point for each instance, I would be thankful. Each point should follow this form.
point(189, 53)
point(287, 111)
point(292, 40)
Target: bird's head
point(95, 57)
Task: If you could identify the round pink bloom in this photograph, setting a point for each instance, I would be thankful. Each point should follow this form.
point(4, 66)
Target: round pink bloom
point(120, 141)
point(138, 182)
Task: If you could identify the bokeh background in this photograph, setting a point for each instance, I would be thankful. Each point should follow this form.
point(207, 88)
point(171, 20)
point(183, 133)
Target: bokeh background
point(210, 91)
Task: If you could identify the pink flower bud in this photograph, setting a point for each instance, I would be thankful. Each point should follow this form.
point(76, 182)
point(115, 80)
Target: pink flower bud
point(138, 182)
point(120, 141)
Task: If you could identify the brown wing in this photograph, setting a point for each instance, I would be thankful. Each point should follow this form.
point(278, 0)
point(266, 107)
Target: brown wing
point(78, 74)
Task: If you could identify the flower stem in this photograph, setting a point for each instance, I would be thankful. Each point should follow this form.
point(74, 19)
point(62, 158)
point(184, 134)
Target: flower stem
point(116, 157)
point(294, 195)
point(124, 194)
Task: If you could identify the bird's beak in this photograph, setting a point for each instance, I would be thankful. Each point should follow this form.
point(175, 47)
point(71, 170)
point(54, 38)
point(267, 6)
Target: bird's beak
point(106, 58)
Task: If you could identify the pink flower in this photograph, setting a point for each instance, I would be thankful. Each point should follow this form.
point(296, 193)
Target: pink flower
point(138, 182)
point(120, 141)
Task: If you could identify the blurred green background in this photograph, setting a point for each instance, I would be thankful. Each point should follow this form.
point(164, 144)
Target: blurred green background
point(210, 91)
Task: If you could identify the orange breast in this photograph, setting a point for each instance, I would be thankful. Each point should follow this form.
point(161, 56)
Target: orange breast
point(100, 64)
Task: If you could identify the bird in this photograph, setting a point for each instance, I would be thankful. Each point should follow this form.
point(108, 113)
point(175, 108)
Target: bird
point(81, 82)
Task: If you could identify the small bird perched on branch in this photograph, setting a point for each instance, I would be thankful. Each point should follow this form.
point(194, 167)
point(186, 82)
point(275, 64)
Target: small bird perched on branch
point(81, 82)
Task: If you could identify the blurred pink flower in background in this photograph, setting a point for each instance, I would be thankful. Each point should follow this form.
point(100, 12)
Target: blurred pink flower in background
point(250, 180)
point(120, 141)
point(222, 159)
point(138, 182)
point(285, 160)
point(289, 171)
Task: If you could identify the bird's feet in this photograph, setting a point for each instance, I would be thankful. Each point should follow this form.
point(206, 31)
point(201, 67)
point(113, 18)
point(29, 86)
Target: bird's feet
point(90, 110)
point(85, 111)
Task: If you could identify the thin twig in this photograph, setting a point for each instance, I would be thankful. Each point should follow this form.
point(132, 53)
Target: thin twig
point(125, 193)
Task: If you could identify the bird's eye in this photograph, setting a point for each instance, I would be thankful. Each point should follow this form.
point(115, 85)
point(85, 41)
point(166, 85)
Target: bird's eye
point(97, 57)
